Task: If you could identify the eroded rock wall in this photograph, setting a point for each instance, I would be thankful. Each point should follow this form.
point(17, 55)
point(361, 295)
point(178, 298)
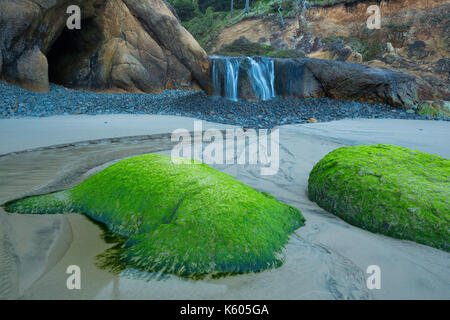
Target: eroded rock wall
point(123, 45)
point(305, 78)
point(414, 38)
point(312, 78)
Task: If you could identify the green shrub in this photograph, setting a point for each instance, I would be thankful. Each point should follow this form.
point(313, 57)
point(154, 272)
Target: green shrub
point(220, 5)
point(369, 48)
point(244, 47)
point(185, 9)
point(329, 2)
point(285, 53)
point(214, 15)
point(286, 6)
point(205, 27)
point(371, 51)
point(433, 109)
point(387, 189)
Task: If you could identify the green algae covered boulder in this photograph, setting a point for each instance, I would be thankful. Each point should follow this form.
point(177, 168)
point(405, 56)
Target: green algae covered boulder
point(186, 218)
point(387, 189)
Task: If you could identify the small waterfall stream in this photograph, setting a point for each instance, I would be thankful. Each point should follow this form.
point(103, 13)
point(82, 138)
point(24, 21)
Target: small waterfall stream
point(231, 78)
point(228, 74)
point(262, 77)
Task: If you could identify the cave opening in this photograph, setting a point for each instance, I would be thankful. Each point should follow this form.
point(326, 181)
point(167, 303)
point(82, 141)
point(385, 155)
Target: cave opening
point(70, 50)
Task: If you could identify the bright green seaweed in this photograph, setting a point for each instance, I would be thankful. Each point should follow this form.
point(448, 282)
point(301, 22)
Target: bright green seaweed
point(188, 219)
point(387, 189)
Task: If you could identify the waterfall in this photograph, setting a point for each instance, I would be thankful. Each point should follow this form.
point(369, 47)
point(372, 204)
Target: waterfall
point(262, 77)
point(225, 70)
point(259, 72)
point(231, 78)
point(215, 79)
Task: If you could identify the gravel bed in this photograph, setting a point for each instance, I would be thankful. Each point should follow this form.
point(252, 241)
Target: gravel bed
point(17, 102)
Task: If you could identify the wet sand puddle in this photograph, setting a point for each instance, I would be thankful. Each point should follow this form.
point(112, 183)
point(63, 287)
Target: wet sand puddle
point(326, 259)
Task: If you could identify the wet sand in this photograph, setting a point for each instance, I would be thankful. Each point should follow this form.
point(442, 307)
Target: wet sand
point(326, 259)
point(19, 134)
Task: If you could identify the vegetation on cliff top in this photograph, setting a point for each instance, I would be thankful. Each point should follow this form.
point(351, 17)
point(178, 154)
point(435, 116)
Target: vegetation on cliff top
point(205, 23)
point(387, 189)
point(188, 219)
point(187, 9)
point(243, 47)
point(206, 19)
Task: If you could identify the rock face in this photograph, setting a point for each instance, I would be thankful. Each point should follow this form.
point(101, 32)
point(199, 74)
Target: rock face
point(309, 78)
point(436, 109)
point(32, 70)
point(294, 79)
point(305, 78)
point(360, 82)
point(416, 30)
point(123, 45)
point(337, 51)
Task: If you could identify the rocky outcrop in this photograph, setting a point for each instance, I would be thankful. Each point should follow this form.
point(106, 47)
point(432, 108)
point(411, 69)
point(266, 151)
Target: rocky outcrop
point(417, 31)
point(432, 77)
point(32, 70)
point(123, 45)
point(305, 78)
point(262, 78)
point(337, 51)
point(175, 38)
point(360, 82)
point(294, 79)
point(435, 109)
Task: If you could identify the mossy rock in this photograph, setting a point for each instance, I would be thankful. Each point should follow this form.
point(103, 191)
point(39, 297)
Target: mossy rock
point(188, 218)
point(434, 109)
point(387, 189)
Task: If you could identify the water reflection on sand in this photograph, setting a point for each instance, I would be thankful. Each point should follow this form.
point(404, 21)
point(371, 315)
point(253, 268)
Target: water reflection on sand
point(326, 259)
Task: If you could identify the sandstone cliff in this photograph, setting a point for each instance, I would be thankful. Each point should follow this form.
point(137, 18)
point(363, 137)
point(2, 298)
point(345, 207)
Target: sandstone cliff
point(123, 45)
point(414, 38)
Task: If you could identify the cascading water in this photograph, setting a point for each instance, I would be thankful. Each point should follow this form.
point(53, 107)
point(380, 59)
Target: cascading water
point(227, 70)
point(215, 78)
point(262, 77)
point(231, 78)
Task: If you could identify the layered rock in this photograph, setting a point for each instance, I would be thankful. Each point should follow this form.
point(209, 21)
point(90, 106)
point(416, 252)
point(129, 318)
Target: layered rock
point(123, 45)
point(305, 78)
point(417, 31)
point(294, 79)
point(360, 82)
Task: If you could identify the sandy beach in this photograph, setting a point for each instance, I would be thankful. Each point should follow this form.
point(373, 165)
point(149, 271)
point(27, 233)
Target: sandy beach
point(326, 259)
point(20, 134)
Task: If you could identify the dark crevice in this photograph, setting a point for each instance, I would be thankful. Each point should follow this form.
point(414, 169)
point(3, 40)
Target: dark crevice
point(70, 49)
